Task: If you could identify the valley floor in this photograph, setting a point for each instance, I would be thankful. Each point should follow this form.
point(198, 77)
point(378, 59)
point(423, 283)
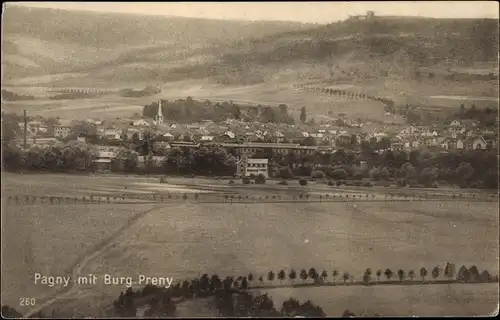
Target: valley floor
point(185, 239)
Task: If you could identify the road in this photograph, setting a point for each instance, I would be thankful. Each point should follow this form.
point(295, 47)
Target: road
point(86, 258)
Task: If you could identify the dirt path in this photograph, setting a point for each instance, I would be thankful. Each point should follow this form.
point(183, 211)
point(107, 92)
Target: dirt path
point(84, 259)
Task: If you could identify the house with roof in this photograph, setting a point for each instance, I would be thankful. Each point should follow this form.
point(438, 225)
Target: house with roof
point(279, 136)
point(155, 161)
point(104, 158)
point(475, 143)
point(343, 138)
point(184, 136)
point(141, 123)
point(246, 167)
point(410, 130)
point(159, 144)
point(397, 144)
point(429, 133)
point(430, 141)
point(456, 127)
point(411, 144)
point(451, 143)
point(33, 127)
point(207, 138)
point(62, 130)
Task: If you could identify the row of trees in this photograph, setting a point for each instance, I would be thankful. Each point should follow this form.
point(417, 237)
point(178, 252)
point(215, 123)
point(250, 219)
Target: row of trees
point(231, 299)
point(28, 199)
point(418, 168)
point(189, 110)
point(463, 275)
point(389, 104)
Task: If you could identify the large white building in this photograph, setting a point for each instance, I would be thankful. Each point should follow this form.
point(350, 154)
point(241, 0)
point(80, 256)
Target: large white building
point(252, 166)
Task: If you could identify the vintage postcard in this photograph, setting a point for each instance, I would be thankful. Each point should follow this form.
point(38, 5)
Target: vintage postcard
point(250, 159)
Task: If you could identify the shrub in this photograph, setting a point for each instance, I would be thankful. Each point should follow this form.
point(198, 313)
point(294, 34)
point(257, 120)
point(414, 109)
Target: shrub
point(357, 183)
point(245, 180)
point(428, 176)
point(358, 176)
point(318, 174)
point(435, 184)
point(339, 174)
point(260, 179)
point(380, 173)
point(231, 181)
point(339, 182)
point(283, 182)
point(475, 184)
point(331, 182)
point(401, 182)
point(285, 173)
point(368, 184)
point(303, 182)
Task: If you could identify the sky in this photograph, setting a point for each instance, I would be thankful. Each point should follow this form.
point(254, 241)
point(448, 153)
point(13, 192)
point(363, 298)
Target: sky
point(311, 12)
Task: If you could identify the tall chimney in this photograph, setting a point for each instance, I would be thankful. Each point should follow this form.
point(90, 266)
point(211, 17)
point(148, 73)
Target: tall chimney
point(25, 129)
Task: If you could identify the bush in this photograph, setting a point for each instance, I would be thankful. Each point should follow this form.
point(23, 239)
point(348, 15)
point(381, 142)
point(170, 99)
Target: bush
point(318, 174)
point(435, 184)
point(303, 182)
point(285, 173)
point(368, 184)
point(380, 173)
point(260, 179)
point(401, 182)
point(283, 182)
point(331, 182)
point(339, 174)
point(339, 182)
point(358, 176)
point(475, 184)
point(245, 180)
point(231, 181)
point(357, 183)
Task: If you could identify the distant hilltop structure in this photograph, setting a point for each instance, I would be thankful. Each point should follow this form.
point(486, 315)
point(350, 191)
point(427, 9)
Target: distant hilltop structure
point(368, 16)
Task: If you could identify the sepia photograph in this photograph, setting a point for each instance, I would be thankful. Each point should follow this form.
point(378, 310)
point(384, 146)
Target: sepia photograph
point(249, 159)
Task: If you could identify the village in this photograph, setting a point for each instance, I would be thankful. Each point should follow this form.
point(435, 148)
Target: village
point(249, 137)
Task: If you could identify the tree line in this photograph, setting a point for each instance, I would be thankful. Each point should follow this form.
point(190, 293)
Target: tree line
point(486, 116)
point(231, 298)
point(189, 110)
point(389, 104)
point(467, 169)
point(474, 169)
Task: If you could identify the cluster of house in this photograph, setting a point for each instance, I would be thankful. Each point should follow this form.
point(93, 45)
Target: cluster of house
point(457, 135)
point(247, 138)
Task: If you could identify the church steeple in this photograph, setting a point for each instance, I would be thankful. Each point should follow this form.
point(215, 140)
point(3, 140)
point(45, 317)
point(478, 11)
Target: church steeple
point(159, 115)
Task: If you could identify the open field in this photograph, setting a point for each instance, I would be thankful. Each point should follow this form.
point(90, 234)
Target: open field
point(185, 239)
point(426, 92)
point(403, 301)
point(113, 105)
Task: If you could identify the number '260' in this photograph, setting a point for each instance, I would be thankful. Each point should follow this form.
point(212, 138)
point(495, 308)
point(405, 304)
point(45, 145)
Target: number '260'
point(27, 301)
